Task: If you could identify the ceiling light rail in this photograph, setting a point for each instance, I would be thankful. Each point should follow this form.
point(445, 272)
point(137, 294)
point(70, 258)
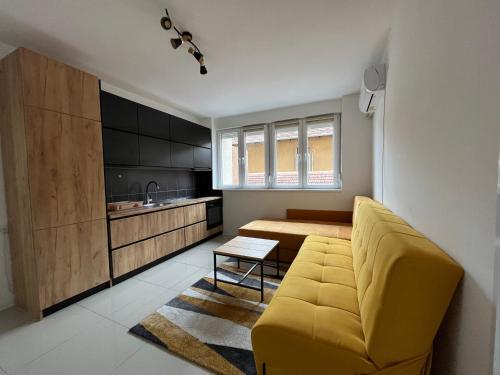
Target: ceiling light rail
point(184, 37)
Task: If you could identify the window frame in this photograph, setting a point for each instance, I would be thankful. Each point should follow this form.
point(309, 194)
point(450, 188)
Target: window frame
point(270, 179)
point(219, 158)
point(243, 171)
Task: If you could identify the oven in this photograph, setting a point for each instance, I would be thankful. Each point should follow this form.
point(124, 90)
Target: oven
point(214, 213)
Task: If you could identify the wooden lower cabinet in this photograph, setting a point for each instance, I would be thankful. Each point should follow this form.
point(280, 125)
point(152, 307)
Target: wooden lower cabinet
point(198, 232)
point(136, 228)
point(195, 233)
point(70, 260)
point(134, 256)
point(194, 213)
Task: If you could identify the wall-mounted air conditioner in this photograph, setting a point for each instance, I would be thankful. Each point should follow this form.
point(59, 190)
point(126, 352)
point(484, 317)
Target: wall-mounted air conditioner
point(373, 82)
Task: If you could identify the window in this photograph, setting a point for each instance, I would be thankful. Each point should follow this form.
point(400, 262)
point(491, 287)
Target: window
point(228, 161)
point(294, 154)
point(287, 155)
point(320, 152)
point(255, 157)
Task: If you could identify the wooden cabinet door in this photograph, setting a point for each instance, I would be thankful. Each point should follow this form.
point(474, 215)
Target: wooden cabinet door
point(52, 85)
point(140, 227)
point(195, 232)
point(65, 168)
point(131, 257)
point(71, 259)
point(194, 213)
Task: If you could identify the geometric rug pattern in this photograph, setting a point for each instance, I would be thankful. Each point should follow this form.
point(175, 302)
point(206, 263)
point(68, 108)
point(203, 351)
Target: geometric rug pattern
point(211, 327)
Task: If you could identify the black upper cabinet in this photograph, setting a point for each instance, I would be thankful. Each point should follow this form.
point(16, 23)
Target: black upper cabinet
point(182, 155)
point(118, 113)
point(154, 152)
point(120, 147)
point(202, 157)
point(204, 137)
point(181, 130)
point(153, 122)
point(188, 132)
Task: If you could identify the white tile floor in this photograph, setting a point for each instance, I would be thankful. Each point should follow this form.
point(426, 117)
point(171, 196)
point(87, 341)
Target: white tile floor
point(91, 338)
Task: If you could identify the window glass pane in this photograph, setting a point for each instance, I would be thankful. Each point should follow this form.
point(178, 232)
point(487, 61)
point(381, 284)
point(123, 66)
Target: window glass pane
point(255, 157)
point(286, 155)
point(229, 159)
point(320, 148)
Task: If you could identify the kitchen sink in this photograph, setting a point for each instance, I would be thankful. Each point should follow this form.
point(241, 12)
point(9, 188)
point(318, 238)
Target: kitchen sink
point(163, 203)
point(156, 204)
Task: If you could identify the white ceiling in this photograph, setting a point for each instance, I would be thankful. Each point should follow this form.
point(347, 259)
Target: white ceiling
point(260, 54)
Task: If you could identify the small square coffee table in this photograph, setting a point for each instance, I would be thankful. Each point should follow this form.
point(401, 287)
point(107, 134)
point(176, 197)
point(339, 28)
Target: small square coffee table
point(251, 250)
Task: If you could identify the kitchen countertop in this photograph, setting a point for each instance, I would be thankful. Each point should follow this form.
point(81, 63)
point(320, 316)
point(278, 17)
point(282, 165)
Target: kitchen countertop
point(143, 210)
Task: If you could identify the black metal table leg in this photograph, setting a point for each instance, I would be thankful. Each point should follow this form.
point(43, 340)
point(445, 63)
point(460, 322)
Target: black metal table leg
point(278, 260)
point(238, 260)
point(215, 271)
point(261, 281)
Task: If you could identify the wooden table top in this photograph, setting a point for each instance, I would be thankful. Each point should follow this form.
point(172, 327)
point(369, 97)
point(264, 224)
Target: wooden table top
point(247, 248)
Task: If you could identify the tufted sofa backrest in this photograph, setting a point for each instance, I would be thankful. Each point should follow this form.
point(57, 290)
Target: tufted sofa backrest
point(404, 283)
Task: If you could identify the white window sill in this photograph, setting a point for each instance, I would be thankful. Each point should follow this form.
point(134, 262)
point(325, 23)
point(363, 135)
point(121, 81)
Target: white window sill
point(319, 190)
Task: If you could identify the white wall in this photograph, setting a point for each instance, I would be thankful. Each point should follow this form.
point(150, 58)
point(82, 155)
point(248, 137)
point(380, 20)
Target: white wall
point(242, 206)
point(440, 156)
point(496, 363)
point(378, 148)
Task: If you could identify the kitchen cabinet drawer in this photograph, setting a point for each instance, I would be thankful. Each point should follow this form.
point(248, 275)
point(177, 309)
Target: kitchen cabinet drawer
point(195, 233)
point(194, 213)
point(71, 259)
point(52, 85)
point(154, 152)
point(153, 122)
point(65, 168)
point(202, 157)
point(182, 155)
point(120, 147)
point(129, 258)
point(140, 227)
point(118, 113)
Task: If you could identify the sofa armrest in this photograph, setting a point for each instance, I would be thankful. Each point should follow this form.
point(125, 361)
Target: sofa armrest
point(320, 215)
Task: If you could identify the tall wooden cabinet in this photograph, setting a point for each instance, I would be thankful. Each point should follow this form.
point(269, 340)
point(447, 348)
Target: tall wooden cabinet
point(53, 169)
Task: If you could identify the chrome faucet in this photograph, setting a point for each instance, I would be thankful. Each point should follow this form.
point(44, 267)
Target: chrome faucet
point(148, 197)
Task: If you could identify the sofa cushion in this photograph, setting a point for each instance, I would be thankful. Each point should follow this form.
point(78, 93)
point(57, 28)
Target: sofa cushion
point(404, 284)
point(316, 312)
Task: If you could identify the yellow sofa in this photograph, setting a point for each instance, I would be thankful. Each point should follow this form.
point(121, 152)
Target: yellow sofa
point(371, 305)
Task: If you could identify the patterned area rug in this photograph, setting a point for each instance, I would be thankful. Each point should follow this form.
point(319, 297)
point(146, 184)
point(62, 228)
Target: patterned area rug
point(211, 328)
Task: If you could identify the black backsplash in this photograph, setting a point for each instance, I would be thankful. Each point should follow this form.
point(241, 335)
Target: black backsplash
point(130, 184)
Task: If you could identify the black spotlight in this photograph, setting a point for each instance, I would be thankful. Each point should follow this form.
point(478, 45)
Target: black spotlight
point(166, 23)
point(203, 70)
point(198, 56)
point(176, 42)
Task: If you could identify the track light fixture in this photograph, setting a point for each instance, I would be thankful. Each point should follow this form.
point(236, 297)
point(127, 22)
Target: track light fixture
point(184, 37)
point(200, 58)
